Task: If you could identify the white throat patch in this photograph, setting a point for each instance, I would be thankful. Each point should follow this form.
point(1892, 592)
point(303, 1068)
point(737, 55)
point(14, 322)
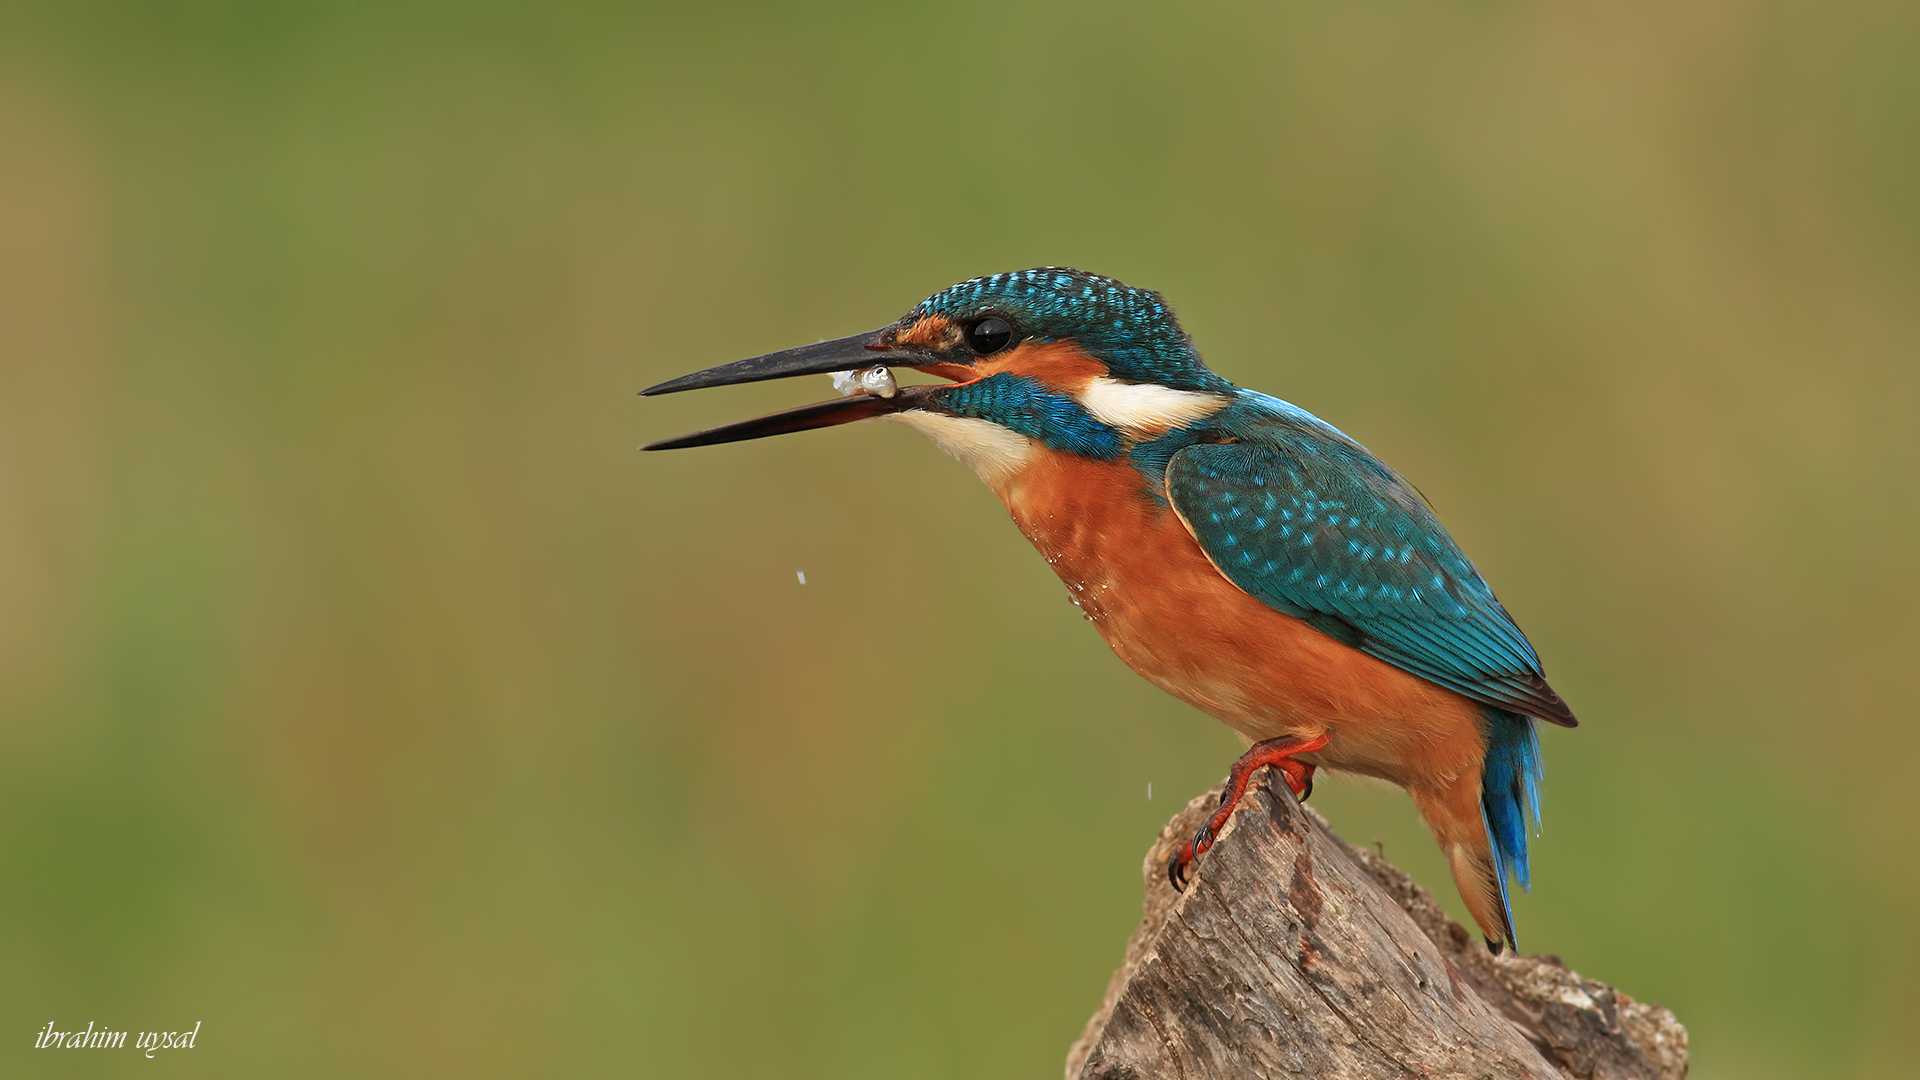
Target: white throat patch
point(995, 453)
point(1145, 410)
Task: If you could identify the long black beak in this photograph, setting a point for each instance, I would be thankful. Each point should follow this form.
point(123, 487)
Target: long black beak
point(804, 418)
point(842, 354)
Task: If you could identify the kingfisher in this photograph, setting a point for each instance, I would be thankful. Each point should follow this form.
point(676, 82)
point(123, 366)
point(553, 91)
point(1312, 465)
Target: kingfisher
point(1237, 551)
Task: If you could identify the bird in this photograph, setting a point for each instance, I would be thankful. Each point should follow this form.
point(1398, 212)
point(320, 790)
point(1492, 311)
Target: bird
point(1234, 549)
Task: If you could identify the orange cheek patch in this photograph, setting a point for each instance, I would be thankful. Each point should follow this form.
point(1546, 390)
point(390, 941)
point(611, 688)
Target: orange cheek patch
point(1059, 365)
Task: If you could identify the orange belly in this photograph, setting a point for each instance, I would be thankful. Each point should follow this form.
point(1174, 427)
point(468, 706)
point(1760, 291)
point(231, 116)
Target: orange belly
point(1142, 579)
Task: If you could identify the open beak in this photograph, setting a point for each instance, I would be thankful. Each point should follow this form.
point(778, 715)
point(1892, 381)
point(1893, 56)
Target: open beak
point(842, 354)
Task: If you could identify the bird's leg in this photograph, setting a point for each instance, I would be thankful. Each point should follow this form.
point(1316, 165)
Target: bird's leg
point(1278, 753)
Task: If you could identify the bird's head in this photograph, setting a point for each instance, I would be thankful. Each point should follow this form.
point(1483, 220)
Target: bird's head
point(1076, 362)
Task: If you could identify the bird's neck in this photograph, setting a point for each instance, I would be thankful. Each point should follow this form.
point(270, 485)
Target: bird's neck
point(996, 454)
point(1054, 400)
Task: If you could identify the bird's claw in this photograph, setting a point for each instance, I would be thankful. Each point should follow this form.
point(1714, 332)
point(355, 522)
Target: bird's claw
point(1299, 778)
point(1185, 855)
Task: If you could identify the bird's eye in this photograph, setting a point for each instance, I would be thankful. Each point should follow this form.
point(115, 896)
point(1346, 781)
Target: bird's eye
point(989, 335)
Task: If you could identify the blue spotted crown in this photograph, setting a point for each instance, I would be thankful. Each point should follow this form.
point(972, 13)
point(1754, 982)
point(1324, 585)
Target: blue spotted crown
point(1132, 330)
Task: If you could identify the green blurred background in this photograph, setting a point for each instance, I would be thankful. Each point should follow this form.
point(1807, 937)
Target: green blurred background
point(366, 698)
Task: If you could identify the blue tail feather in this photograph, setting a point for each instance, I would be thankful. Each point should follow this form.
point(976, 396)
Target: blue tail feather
point(1510, 797)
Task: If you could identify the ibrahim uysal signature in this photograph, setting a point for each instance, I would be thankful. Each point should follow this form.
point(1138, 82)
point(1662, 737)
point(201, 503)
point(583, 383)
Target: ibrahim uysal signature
point(102, 1039)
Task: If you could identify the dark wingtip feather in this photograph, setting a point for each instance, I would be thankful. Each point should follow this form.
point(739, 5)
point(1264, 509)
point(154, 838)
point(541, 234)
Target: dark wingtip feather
point(1547, 707)
point(1551, 707)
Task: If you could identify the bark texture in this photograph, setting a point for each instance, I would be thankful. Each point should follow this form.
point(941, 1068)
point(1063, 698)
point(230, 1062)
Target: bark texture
point(1293, 954)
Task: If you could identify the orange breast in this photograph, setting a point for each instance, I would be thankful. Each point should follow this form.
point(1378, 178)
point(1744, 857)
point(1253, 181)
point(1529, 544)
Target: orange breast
point(1144, 582)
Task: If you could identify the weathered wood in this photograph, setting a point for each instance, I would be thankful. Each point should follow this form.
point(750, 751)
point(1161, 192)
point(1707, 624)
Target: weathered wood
point(1293, 954)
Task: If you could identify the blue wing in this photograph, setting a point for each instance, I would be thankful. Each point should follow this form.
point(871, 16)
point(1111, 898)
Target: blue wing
point(1310, 523)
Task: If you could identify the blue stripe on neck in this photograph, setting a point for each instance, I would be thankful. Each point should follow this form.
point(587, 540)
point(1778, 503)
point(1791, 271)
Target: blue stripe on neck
point(1029, 407)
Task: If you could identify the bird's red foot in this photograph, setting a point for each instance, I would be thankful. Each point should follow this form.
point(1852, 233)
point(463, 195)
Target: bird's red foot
point(1278, 753)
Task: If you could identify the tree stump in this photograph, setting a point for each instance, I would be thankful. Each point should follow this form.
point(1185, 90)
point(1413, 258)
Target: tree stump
point(1294, 954)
